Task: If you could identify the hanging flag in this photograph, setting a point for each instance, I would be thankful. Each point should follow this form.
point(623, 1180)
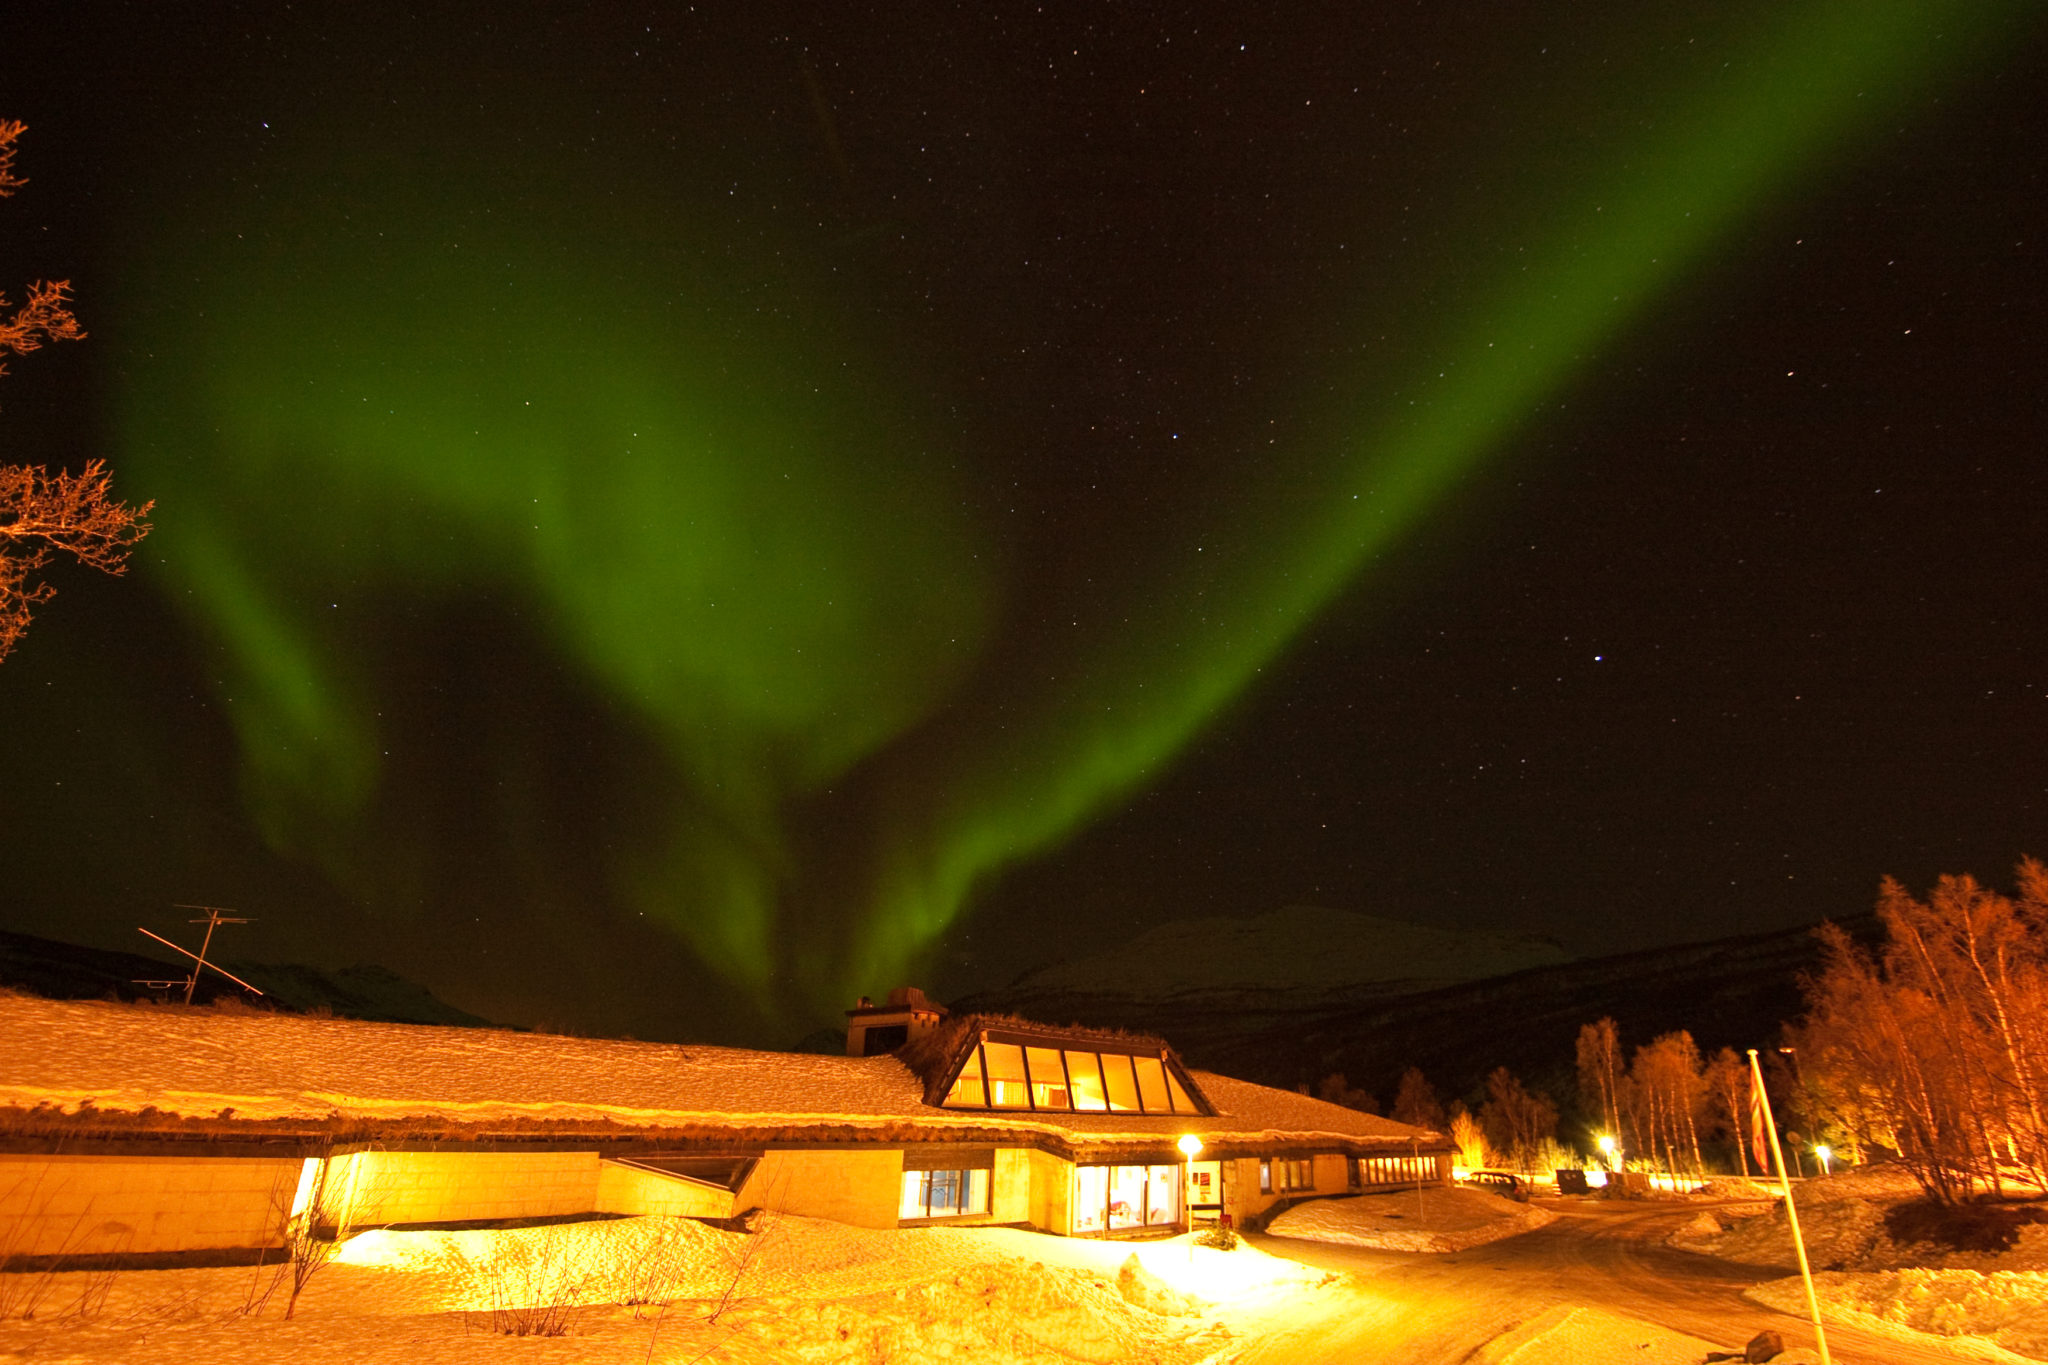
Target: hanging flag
point(1759, 1130)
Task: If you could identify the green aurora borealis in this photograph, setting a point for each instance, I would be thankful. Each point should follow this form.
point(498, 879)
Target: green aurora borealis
point(617, 509)
point(421, 407)
point(438, 374)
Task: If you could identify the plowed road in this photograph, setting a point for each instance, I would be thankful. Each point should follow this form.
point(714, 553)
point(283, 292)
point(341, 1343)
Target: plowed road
point(1408, 1309)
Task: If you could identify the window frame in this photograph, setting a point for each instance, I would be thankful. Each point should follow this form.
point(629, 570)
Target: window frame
point(964, 1165)
point(1158, 1178)
point(1177, 1090)
point(1274, 1173)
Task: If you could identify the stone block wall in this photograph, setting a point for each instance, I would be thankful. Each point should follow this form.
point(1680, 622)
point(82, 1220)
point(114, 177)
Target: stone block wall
point(861, 1186)
point(90, 1205)
point(1052, 1193)
point(633, 1189)
point(377, 1188)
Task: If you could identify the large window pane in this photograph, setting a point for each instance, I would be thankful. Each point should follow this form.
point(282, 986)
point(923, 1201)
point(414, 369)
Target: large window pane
point(1116, 1074)
point(1048, 1081)
point(967, 1088)
point(1126, 1196)
point(943, 1194)
point(1152, 1085)
point(1091, 1198)
point(976, 1198)
point(1183, 1102)
point(1162, 1197)
point(1086, 1075)
point(1006, 1088)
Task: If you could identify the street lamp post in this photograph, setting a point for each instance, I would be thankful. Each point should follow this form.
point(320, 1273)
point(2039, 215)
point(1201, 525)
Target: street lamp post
point(1805, 1094)
point(1190, 1148)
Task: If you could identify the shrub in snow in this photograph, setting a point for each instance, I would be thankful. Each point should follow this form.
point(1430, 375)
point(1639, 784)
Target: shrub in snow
point(1219, 1239)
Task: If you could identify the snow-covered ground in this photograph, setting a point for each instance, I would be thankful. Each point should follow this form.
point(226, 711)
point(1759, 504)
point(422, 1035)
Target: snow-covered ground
point(1993, 1304)
point(1579, 1336)
point(677, 1290)
point(1433, 1219)
point(797, 1290)
point(2003, 1314)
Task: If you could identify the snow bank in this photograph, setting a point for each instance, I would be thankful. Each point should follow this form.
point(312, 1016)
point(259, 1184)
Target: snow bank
point(2005, 1312)
point(1839, 1233)
point(1244, 1275)
point(1447, 1220)
point(664, 1290)
point(1733, 1187)
point(1574, 1336)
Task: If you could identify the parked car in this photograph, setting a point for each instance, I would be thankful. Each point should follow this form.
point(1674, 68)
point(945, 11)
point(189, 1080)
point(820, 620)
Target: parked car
point(1504, 1183)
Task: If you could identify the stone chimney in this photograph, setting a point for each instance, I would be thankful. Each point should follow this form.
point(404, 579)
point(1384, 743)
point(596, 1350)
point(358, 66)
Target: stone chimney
point(873, 1029)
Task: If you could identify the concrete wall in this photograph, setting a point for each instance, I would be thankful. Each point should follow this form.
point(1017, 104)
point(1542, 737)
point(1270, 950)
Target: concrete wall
point(1052, 1193)
point(83, 1205)
point(860, 1186)
point(1245, 1202)
point(73, 1205)
point(444, 1187)
point(1329, 1170)
point(1010, 1187)
point(636, 1190)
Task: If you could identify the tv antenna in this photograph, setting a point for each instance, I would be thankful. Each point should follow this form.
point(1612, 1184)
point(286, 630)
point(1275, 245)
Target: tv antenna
point(215, 917)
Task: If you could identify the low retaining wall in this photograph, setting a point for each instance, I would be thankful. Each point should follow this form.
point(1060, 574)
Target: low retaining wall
point(861, 1186)
point(379, 1188)
point(625, 1188)
point(107, 1206)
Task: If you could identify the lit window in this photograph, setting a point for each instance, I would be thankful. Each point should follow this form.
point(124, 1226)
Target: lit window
point(1085, 1072)
point(944, 1194)
point(1152, 1085)
point(1023, 1075)
point(1112, 1198)
point(1123, 1088)
point(1091, 1198)
point(1006, 1084)
point(1048, 1078)
point(967, 1088)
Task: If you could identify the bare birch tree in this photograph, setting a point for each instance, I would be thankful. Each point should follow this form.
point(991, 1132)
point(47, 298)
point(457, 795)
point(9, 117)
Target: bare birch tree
point(42, 513)
point(1936, 1045)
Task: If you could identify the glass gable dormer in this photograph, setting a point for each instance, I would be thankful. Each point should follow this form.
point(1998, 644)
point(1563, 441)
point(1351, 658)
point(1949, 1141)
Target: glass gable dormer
point(1020, 1072)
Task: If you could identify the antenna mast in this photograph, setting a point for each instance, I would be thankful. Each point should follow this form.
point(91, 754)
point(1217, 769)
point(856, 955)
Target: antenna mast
point(215, 917)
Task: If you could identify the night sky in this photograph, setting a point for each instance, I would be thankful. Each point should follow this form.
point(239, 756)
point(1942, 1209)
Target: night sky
point(669, 518)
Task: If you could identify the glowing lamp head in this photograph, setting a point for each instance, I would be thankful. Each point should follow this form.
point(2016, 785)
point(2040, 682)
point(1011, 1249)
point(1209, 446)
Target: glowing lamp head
point(1190, 1146)
point(1606, 1145)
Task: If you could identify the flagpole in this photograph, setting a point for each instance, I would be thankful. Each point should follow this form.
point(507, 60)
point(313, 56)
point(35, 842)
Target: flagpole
point(1762, 1096)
